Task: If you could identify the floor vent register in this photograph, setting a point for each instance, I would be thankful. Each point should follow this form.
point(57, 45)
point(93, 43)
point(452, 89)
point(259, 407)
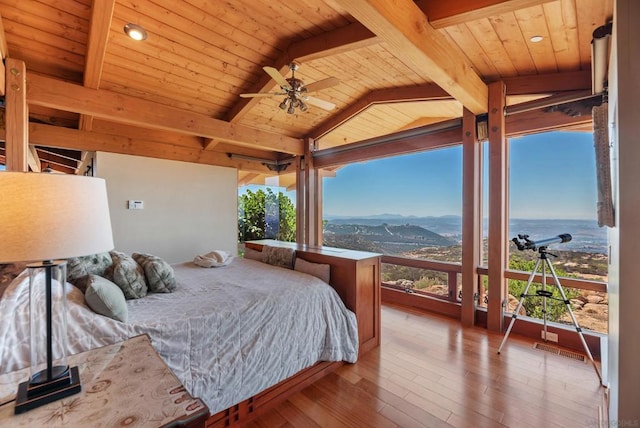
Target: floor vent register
point(561, 352)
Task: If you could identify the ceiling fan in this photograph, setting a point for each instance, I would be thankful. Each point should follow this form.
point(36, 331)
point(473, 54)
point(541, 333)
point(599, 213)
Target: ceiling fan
point(295, 91)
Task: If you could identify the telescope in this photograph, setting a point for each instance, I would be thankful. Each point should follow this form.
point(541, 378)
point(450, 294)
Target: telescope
point(524, 243)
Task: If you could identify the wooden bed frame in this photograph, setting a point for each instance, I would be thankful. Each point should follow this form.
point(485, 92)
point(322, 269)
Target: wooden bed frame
point(355, 275)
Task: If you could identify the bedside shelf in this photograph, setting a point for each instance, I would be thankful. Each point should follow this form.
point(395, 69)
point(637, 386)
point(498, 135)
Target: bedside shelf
point(122, 384)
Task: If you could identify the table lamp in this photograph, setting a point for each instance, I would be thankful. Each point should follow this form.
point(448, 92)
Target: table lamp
point(47, 217)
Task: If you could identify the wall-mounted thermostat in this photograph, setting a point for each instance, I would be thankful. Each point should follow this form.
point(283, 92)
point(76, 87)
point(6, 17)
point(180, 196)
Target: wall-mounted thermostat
point(135, 205)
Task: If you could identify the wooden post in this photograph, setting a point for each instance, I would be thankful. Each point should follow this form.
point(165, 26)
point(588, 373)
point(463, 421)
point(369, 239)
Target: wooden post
point(497, 206)
point(16, 116)
point(471, 216)
point(313, 197)
point(301, 193)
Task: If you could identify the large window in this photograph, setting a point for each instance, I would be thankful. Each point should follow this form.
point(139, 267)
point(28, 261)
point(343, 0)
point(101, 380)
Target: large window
point(266, 212)
point(408, 206)
point(552, 191)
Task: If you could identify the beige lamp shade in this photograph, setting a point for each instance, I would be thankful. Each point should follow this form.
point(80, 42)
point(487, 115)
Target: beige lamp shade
point(52, 216)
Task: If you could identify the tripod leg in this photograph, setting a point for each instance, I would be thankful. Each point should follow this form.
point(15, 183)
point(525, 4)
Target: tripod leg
point(575, 321)
point(544, 298)
point(522, 297)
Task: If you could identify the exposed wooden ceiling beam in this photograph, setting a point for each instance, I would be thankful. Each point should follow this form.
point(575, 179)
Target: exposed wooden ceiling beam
point(548, 83)
point(397, 147)
point(121, 108)
point(4, 51)
point(343, 39)
point(50, 158)
point(173, 138)
point(518, 124)
point(520, 85)
point(535, 121)
point(55, 136)
point(74, 156)
point(454, 12)
point(209, 143)
point(101, 15)
point(33, 160)
point(404, 27)
point(340, 40)
point(135, 132)
point(379, 96)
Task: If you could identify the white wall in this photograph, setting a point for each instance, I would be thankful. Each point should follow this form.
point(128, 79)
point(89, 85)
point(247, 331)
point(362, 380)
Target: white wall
point(189, 208)
point(624, 274)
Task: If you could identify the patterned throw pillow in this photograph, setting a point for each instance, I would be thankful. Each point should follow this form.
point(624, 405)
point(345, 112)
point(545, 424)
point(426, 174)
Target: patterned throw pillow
point(159, 274)
point(79, 267)
point(278, 256)
point(127, 274)
point(106, 298)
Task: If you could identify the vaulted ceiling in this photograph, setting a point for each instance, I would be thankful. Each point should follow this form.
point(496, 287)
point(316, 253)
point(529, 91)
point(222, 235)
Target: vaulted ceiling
point(176, 95)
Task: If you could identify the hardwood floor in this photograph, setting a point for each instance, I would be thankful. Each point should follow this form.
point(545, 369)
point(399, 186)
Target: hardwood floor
point(432, 372)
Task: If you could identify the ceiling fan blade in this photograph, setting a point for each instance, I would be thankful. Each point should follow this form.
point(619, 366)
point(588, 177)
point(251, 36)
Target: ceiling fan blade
point(326, 105)
point(261, 94)
point(322, 84)
point(275, 75)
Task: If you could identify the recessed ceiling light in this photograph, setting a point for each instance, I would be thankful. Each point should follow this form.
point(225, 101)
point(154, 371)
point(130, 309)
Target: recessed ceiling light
point(136, 32)
point(536, 39)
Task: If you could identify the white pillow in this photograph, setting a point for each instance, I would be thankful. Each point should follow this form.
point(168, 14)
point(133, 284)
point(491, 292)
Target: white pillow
point(319, 270)
point(217, 258)
point(106, 298)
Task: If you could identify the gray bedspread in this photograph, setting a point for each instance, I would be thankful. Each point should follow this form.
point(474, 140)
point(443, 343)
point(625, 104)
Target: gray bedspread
point(227, 333)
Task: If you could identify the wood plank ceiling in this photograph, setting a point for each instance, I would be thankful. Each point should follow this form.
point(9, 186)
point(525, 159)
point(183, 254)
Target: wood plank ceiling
point(401, 64)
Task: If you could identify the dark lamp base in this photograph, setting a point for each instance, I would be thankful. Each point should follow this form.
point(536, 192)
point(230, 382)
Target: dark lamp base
point(58, 373)
point(32, 395)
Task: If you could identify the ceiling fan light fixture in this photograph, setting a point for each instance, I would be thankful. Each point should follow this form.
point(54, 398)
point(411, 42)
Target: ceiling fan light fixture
point(135, 31)
point(295, 90)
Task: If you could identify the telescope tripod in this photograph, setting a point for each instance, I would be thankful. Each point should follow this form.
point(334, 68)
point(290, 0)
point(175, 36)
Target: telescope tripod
point(543, 259)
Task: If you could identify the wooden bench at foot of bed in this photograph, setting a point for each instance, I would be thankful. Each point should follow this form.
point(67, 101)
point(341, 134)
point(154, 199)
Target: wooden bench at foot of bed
point(355, 275)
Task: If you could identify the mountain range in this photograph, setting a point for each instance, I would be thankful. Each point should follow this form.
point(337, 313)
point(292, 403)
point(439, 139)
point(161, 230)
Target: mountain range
point(587, 236)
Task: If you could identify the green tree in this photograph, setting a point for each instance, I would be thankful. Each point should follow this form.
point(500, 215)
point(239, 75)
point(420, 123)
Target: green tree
point(265, 215)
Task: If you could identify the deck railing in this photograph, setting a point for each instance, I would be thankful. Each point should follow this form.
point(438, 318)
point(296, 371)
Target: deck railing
point(454, 270)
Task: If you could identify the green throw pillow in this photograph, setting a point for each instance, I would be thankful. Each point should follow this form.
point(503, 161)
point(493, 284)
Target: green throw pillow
point(127, 274)
point(159, 274)
point(106, 298)
point(79, 267)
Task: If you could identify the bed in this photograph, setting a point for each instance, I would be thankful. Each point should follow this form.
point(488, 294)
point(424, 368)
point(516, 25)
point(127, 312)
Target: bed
point(225, 332)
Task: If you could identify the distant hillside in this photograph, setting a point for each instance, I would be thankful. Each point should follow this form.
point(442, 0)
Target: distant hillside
point(449, 226)
point(383, 238)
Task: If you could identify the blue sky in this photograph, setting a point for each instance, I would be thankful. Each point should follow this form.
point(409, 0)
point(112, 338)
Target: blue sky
point(552, 176)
